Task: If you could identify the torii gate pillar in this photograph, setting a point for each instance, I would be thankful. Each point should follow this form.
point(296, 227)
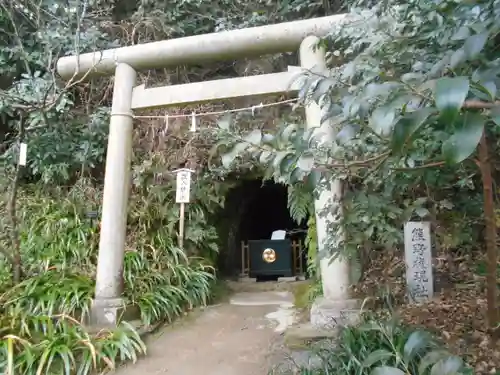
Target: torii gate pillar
point(107, 302)
point(335, 304)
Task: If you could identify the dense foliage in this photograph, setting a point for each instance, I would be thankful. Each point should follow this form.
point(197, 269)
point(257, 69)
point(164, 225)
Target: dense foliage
point(413, 87)
point(412, 92)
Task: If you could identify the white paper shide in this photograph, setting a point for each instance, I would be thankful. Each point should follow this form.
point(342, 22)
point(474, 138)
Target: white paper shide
point(23, 154)
point(418, 257)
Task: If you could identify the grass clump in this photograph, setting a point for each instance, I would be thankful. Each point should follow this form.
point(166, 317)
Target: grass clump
point(59, 344)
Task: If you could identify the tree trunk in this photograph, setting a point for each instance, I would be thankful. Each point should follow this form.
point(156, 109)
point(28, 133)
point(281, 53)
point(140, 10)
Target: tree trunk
point(12, 214)
point(491, 247)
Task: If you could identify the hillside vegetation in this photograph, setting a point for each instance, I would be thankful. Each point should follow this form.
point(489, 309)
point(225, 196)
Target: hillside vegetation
point(414, 92)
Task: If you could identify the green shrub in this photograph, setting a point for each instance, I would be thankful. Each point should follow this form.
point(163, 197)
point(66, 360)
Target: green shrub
point(164, 284)
point(384, 347)
point(41, 318)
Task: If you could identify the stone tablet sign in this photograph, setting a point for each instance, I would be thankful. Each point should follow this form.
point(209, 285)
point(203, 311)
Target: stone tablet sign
point(418, 257)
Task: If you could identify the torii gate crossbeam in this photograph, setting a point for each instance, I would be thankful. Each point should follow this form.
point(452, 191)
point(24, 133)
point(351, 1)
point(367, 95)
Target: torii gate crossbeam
point(226, 45)
point(124, 63)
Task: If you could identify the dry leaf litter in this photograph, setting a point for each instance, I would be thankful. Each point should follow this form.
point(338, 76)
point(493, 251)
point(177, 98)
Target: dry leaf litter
point(457, 313)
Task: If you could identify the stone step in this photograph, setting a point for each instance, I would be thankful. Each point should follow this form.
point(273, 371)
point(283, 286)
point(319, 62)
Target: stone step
point(301, 336)
point(328, 313)
point(297, 361)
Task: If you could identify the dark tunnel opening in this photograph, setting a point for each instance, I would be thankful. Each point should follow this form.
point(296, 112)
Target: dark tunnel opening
point(265, 212)
point(253, 210)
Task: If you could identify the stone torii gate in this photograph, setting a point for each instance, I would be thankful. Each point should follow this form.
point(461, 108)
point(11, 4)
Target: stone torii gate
point(126, 61)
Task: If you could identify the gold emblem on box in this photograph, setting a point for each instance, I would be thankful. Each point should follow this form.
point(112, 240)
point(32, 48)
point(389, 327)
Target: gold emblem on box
point(269, 255)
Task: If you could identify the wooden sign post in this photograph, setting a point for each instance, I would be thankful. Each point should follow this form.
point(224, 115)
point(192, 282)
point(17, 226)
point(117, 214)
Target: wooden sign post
point(182, 195)
point(418, 256)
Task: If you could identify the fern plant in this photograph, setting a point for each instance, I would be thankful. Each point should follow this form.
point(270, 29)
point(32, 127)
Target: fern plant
point(311, 244)
point(301, 207)
point(300, 202)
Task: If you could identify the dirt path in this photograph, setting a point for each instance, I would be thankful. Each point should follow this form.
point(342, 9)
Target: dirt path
point(238, 338)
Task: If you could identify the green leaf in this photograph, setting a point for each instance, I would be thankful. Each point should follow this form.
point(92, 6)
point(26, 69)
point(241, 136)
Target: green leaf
point(448, 366)
point(418, 340)
point(304, 90)
point(422, 212)
point(332, 110)
point(458, 57)
point(346, 134)
point(322, 87)
point(313, 179)
point(227, 159)
point(287, 162)
point(439, 67)
point(490, 88)
point(387, 370)
point(280, 156)
point(406, 127)
point(268, 138)
point(450, 94)
point(224, 122)
point(446, 204)
point(288, 132)
point(475, 44)
point(464, 140)
point(378, 355)
point(306, 162)
point(382, 120)
point(430, 359)
point(254, 137)
point(495, 115)
point(351, 106)
point(265, 157)
point(462, 33)
point(296, 176)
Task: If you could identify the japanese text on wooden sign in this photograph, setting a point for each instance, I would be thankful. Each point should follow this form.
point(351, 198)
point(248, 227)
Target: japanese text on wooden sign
point(418, 257)
point(183, 186)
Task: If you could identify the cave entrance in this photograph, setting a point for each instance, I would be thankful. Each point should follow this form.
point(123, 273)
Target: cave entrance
point(253, 211)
